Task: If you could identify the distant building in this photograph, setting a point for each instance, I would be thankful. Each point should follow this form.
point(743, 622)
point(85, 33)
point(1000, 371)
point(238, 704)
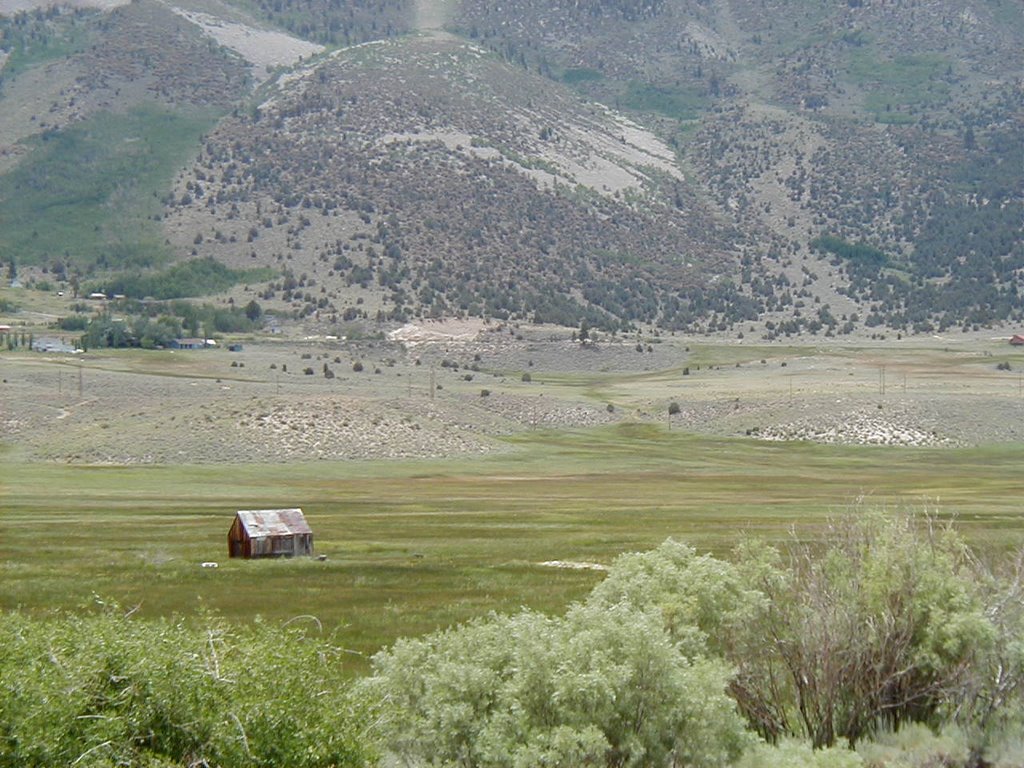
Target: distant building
point(50, 344)
point(187, 344)
point(270, 533)
point(1017, 340)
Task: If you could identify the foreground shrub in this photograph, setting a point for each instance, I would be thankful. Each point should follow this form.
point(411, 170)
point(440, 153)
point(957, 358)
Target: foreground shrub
point(789, 753)
point(915, 746)
point(886, 626)
point(595, 688)
point(1005, 747)
point(704, 602)
point(892, 626)
point(105, 690)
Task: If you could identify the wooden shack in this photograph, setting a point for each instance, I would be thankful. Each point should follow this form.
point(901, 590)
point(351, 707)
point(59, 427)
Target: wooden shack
point(270, 533)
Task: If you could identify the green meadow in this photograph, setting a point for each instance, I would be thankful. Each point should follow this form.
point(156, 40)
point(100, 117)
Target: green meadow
point(68, 199)
point(903, 82)
point(413, 546)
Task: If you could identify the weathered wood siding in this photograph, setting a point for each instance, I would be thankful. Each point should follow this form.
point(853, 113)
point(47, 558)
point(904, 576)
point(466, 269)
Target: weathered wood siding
point(280, 543)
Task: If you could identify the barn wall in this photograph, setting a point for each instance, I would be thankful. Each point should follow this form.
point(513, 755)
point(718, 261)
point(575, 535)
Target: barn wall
point(260, 547)
point(236, 540)
point(241, 545)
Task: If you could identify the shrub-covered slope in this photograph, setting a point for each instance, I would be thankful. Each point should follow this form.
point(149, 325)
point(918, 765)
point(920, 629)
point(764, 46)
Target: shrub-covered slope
point(456, 183)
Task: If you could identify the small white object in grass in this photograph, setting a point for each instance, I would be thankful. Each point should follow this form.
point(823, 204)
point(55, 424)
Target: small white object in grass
point(577, 566)
point(209, 565)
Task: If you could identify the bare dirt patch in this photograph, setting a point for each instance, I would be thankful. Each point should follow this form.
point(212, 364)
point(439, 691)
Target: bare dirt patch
point(264, 49)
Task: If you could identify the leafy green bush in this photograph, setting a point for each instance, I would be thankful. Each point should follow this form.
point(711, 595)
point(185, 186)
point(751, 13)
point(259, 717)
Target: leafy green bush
point(883, 628)
point(703, 602)
point(601, 686)
point(105, 690)
point(915, 746)
point(893, 626)
point(789, 753)
point(73, 323)
point(1005, 748)
point(197, 277)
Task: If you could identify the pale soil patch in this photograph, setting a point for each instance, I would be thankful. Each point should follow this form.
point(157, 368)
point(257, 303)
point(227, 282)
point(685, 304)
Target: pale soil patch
point(441, 331)
point(431, 15)
point(709, 43)
point(263, 49)
point(608, 158)
point(858, 428)
point(574, 565)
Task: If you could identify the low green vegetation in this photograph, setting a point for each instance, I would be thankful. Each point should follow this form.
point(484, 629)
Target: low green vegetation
point(898, 83)
point(156, 324)
point(84, 198)
point(32, 38)
point(577, 75)
point(197, 277)
point(676, 103)
point(103, 689)
point(862, 256)
point(417, 546)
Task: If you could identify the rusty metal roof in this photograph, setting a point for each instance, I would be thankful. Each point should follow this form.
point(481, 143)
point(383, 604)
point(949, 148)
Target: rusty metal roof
point(259, 523)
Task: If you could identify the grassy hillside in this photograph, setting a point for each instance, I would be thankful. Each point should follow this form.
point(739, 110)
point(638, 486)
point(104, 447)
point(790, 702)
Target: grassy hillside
point(89, 196)
point(32, 39)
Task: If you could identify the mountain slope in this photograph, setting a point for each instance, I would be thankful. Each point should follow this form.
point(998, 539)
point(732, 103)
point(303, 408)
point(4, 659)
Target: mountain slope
point(456, 183)
point(813, 165)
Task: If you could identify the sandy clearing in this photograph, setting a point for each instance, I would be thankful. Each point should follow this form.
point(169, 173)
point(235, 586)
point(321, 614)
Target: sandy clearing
point(412, 334)
point(616, 158)
point(263, 49)
point(607, 161)
point(431, 15)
